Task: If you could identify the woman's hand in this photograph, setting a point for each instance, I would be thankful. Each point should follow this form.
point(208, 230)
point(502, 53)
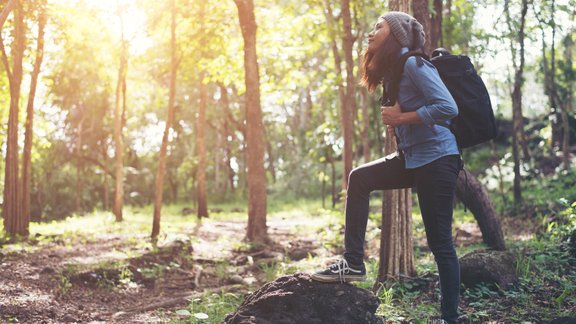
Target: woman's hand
point(391, 115)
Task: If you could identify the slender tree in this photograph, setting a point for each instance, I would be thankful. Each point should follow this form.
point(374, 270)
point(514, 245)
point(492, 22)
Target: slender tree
point(11, 211)
point(227, 134)
point(159, 186)
point(518, 61)
point(119, 108)
point(201, 148)
point(29, 126)
point(348, 106)
point(436, 39)
point(568, 107)
point(255, 146)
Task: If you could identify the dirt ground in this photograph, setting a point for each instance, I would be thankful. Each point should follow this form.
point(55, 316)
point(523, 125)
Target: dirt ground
point(79, 280)
point(67, 281)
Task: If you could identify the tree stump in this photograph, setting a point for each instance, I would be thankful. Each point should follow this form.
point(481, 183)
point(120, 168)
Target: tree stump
point(299, 299)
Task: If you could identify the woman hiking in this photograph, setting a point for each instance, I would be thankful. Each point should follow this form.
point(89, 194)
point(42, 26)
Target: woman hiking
point(427, 159)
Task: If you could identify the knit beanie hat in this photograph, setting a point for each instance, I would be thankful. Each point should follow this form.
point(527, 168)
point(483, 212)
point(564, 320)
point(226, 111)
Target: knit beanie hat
point(406, 29)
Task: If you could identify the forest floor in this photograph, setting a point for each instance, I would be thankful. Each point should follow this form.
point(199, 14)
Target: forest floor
point(80, 274)
point(91, 269)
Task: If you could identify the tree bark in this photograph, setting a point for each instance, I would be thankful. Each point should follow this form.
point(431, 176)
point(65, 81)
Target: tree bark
point(118, 126)
point(473, 195)
point(436, 26)
point(257, 229)
point(29, 126)
point(159, 185)
point(13, 222)
point(202, 210)
point(422, 14)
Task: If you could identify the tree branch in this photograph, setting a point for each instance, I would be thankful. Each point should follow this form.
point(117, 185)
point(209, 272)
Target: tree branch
point(5, 58)
point(6, 12)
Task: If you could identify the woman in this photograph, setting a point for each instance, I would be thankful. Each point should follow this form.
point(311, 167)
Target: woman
point(428, 157)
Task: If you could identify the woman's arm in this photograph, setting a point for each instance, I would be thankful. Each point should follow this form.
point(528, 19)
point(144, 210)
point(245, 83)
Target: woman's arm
point(439, 105)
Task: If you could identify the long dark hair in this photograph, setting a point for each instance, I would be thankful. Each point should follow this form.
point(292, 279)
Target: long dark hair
point(376, 65)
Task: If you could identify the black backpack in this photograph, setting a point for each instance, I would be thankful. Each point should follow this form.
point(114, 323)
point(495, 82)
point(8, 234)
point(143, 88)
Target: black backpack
point(475, 122)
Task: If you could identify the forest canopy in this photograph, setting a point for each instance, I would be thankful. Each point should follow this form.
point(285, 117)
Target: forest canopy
point(107, 66)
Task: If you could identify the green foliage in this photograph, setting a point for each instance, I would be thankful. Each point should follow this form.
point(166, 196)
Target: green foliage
point(210, 308)
point(562, 227)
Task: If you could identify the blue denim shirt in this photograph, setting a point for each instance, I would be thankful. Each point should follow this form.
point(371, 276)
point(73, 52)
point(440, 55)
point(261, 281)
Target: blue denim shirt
point(422, 90)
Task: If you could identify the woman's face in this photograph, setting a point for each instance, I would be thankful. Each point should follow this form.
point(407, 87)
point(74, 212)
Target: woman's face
point(377, 36)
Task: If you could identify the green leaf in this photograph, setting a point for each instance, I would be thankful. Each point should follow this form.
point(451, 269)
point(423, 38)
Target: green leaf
point(201, 316)
point(184, 312)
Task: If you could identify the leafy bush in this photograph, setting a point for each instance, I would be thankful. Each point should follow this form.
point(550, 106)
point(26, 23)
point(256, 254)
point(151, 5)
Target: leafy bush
point(562, 226)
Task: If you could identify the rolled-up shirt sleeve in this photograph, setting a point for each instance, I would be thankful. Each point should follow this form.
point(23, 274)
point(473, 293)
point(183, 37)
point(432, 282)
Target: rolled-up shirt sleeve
point(440, 106)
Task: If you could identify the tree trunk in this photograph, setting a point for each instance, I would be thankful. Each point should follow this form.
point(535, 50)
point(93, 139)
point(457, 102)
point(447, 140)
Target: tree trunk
point(518, 136)
point(422, 14)
point(29, 135)
point(202, 210)
point(271, 165)
point(436, 26)
point(227, 135)
point(396, 251)
point(349, 105)
point(79, 162)
point(335, 197)
point(257, 230)
point(473, 195)
point(568, 106)
point(13, 223)
point(159, 185)
point(118, 126)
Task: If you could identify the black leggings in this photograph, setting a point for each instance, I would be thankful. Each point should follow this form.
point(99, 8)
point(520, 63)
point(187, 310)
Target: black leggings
point(435, 184)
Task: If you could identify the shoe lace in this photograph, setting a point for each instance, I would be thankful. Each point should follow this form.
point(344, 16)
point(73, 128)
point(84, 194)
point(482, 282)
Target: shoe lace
point(342, 268)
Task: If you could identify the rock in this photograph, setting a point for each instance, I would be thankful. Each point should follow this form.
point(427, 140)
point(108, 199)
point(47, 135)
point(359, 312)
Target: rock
point(236, 279)
point(299, 299)
point(488, 267)
point(298, 254)
point(186, 211)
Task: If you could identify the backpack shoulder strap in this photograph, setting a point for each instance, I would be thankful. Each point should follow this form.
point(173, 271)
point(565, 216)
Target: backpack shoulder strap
point(389, 97)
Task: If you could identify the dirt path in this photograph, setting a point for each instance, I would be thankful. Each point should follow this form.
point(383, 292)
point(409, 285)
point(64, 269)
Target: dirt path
point(111, 279)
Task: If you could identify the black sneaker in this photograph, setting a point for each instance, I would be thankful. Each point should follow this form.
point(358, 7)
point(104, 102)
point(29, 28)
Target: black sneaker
point(342, 272)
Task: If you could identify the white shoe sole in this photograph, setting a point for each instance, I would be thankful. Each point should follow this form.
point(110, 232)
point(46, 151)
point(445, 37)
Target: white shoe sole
point(345, 278)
